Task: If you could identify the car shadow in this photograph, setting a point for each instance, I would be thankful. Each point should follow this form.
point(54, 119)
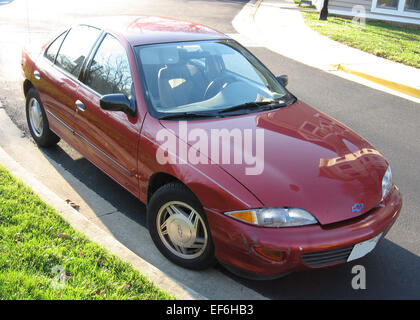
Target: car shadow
point(391, 271)
point(93, 178)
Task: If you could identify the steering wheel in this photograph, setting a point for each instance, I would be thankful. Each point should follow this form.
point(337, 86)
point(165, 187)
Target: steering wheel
point(217, 84)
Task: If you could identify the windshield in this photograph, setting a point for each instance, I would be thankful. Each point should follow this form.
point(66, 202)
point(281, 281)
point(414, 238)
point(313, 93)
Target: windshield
point(206, 76)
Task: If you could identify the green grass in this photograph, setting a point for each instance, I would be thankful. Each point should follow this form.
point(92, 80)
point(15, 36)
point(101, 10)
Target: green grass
point(34, 239)
point(397, 43)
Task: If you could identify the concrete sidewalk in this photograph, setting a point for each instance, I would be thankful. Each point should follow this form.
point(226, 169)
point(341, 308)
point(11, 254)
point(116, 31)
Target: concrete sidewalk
point(279, 26)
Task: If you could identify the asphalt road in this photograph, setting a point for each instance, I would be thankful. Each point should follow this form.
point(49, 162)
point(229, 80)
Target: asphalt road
point(388, 122)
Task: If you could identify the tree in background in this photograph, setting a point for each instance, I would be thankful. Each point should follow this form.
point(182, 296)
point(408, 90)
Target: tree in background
point(324, 11)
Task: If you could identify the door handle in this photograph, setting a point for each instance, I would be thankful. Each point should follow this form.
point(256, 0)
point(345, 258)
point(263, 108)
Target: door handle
point(37, 75)
point(80, 106)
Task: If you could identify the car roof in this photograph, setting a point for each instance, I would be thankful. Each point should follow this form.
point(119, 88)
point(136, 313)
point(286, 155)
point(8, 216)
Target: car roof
point(139, 30)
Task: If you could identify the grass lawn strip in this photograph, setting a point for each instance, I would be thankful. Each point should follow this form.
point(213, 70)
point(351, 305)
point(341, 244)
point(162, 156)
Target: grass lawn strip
point(397, 43)
point(43, 257)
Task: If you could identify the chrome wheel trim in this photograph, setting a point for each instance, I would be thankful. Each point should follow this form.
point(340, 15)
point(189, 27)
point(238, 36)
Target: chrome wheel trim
point(35, 117)
point(182, 230)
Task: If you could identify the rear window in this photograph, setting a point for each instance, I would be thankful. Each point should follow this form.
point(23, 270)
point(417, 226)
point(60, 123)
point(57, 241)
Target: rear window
point(76, 47)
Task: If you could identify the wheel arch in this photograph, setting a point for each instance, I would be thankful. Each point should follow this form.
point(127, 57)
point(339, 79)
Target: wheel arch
point(27, 85)
point(158, 180)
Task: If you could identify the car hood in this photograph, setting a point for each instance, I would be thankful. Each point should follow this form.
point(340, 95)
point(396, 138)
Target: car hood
point(310, 161)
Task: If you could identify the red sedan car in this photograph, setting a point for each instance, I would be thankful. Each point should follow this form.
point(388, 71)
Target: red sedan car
point(232, 166)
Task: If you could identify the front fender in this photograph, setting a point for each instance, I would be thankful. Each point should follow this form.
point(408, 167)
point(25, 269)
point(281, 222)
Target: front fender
point(213, 186)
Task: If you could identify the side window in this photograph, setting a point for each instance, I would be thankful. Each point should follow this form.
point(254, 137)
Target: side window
point(109, 71)
point(54, 46)
point(75, 48)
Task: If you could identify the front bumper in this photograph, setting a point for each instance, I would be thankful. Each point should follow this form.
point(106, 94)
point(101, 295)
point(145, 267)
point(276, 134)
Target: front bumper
point(235, 242)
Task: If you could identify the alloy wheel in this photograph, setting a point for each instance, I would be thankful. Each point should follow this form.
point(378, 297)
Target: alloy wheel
point(182, 230)
point(35, 117)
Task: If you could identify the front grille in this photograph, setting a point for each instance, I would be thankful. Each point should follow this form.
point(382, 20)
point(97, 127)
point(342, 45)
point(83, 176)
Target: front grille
point(324, 258)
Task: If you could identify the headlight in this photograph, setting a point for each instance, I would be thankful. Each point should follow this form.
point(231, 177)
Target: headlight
point(386, 182)
point(274, 217)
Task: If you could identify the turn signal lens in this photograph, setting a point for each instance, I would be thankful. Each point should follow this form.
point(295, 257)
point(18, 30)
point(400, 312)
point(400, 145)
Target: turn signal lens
point(247, 216)
point(271, 254)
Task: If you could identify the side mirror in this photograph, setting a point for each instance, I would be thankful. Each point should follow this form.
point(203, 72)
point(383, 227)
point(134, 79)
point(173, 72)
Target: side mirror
point(117, 102)
point(283, 79)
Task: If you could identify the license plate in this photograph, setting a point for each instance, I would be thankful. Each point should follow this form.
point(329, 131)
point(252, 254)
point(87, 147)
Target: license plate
point(363, 248)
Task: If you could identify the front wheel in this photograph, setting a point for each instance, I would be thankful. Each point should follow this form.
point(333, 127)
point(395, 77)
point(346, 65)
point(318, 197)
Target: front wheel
point(179, 228)
point(38, 122)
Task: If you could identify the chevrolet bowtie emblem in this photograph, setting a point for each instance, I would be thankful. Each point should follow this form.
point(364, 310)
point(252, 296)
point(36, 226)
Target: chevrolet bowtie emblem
point(358, 207)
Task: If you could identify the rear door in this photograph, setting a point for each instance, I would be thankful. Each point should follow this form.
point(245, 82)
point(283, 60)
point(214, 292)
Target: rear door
point(110, 137)
point(59, 79)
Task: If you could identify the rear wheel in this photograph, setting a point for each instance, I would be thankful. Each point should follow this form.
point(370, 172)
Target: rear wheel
point(179, 228)
point(38, 122)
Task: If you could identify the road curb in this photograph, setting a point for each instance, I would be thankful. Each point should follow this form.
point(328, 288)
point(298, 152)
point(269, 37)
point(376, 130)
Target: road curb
point(96, 234)
point(411, 91)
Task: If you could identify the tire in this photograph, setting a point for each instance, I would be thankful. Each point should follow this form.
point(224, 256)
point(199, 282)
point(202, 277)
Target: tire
point(185, 238)
point(38, 122)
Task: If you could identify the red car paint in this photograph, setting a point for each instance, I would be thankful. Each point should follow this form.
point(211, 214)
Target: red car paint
point(311, 160)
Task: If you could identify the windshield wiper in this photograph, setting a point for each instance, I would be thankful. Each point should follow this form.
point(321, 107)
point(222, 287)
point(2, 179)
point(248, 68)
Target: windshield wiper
point(254, 105)
point(188, 115)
